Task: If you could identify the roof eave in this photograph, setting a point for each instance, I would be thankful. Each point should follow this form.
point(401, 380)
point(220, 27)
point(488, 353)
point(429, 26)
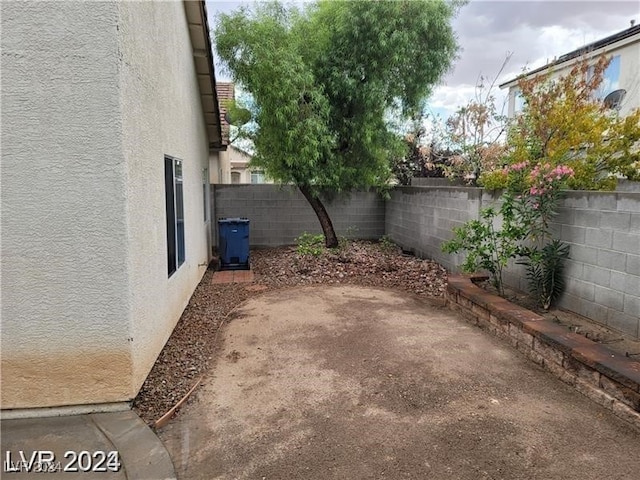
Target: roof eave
point(196, 12)
point(616, 40)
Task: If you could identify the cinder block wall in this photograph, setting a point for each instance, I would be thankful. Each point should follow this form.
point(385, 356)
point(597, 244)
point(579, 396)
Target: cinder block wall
point(601, 228)
point(419, 219)
point(603, 273)
point(278, 214)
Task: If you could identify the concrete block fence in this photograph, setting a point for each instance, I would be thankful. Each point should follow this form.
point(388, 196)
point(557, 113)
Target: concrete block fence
point(602, 229)
point(603, 273)
point(278, 214)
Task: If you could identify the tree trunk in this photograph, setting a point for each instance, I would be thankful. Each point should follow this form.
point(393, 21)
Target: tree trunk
point(330, 238)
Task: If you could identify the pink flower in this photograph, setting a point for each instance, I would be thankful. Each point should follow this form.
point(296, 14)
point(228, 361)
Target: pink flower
point(519, 166)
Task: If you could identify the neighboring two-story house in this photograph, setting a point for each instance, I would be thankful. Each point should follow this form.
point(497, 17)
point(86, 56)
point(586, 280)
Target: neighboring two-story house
point(623, 72)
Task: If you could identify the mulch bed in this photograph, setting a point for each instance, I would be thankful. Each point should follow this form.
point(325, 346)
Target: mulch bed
point(614, 340)
point(191, 348)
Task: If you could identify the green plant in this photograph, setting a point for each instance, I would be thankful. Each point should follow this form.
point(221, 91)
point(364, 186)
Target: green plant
point(489, 248)
point(545, 268)
point(310, 244)
point(529, 203)
point(564, 123)
point(386, 245)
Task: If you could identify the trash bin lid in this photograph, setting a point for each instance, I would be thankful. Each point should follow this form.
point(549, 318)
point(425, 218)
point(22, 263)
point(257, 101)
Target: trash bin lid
point(233, 220)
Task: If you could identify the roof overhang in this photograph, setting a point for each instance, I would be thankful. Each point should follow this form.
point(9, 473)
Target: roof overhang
point(196, 13)
point(610, 43)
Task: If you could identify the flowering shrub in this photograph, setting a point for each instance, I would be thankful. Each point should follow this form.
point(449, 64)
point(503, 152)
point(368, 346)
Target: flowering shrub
point(542, 191)
point(529, 203)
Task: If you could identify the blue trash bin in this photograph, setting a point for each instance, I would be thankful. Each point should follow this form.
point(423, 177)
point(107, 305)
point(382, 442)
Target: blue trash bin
point(233, 243)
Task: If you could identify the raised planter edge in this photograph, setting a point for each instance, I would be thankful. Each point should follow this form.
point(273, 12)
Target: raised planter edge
point(605, 376)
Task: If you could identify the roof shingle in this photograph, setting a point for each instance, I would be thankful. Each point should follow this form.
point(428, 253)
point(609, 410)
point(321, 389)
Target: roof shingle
point(225, 91)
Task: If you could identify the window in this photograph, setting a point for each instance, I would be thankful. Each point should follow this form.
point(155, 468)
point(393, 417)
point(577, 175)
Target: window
point(610, 78)
point(518, 100)
point(175, 213)
point(235, 177)
point(257, 176)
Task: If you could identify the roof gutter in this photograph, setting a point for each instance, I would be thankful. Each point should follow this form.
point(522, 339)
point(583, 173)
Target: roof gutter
point(617, 40)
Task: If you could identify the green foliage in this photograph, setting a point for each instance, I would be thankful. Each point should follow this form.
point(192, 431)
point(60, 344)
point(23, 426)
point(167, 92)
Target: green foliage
point(386, 245)
point(488, 248)
point(493, 180)
point(310, 244)
point(323, 80)
point(545, 268)
point(529, 202)
point(563, 122)
point(236, 115)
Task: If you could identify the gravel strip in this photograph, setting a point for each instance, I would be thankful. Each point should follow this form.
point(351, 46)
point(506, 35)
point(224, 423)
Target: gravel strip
point(189, 351)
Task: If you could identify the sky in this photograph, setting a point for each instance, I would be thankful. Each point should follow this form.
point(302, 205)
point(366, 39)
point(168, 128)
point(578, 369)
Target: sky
point(533, 32)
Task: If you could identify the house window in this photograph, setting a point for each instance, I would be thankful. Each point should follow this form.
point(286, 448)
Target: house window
point(175, 213)
point(257, 176)
point(235, 177)
point(610, 78)
point(518, 100)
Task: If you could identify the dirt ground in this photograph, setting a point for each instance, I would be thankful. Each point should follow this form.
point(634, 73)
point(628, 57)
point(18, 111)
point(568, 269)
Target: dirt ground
point(349, 382)
point(189, 351)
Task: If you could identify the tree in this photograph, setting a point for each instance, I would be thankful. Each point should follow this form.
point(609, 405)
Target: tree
point(475, 132)
point(563, 122)
point(426, 154)
point(323, 80)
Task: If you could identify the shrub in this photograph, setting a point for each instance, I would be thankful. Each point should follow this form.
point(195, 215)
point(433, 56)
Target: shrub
point(310, 244)
point(529, 202)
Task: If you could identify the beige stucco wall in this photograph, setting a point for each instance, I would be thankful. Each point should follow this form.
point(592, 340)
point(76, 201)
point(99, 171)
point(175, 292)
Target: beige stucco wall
point(220, 167)
point(162, 115)
point(215, 170)
point(232, 160)
point(90, 106)
point(629, 51)
point(65, 255)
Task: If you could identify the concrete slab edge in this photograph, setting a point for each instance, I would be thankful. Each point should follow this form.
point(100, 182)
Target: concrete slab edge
point(143, 454)
point(603, 375)
point(10, 414)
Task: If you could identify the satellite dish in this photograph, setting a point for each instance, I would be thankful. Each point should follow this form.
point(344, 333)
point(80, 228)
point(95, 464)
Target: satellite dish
point(614, 99)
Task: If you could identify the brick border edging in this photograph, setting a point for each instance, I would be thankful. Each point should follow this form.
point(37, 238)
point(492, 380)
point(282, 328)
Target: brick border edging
point(605, 376)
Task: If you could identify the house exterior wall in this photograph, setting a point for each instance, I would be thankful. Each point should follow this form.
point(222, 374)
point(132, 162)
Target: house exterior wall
point(214, 167)
point(629, 51)
point(91, 105)
point(239, 163)
point(162, 115)
point(220, 167)
point(224, 165)
point(65, 254)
